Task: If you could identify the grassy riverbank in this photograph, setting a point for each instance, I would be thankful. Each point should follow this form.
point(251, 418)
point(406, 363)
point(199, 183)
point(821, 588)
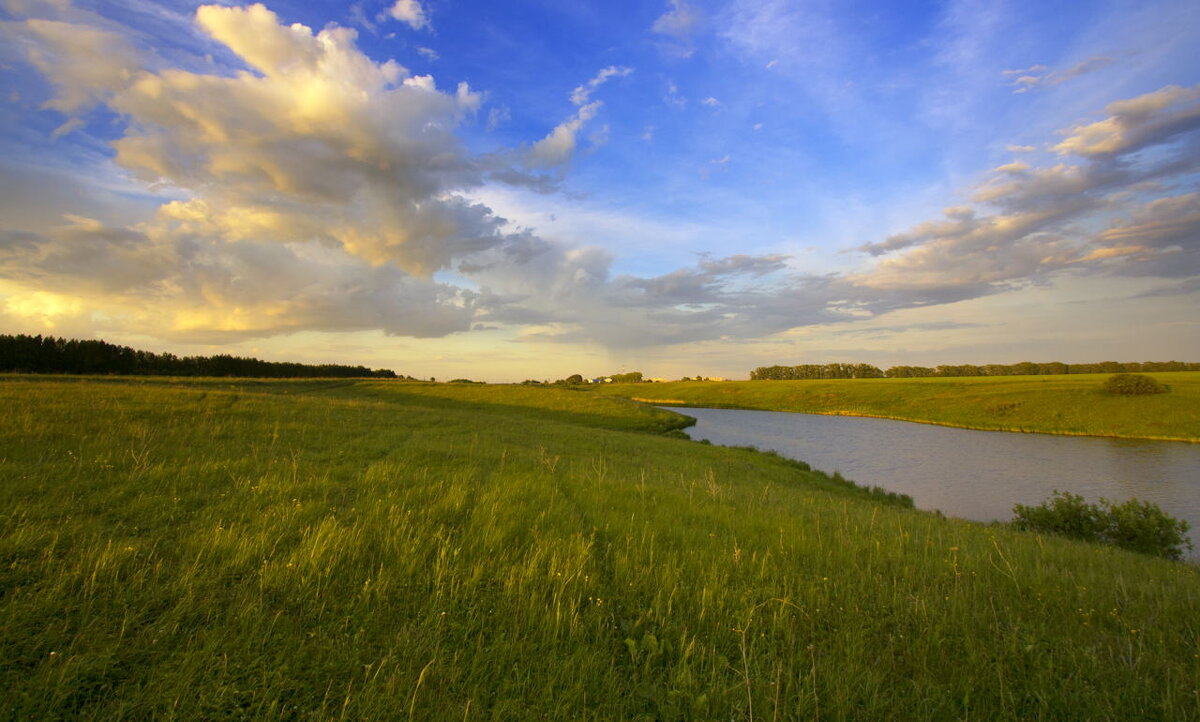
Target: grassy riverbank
point(1071, 405)
point(390, 550)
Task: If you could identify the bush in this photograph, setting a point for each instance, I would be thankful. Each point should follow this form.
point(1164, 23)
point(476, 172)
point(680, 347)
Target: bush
point(1139, 526)
point(1063, 513)
point(1133, 385)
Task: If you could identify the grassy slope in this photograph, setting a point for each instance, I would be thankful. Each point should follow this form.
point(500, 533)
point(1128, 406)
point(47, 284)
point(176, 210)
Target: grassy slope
point(283, 550)
point(1072, 405)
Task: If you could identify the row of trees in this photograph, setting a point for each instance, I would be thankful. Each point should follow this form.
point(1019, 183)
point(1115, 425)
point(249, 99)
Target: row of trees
point(50, 355)
point(816, 371)
point(1025, 368)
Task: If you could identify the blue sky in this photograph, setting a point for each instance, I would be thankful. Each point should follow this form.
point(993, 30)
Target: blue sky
point(532, 189)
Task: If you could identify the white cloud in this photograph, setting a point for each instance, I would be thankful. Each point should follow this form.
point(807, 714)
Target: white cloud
point(680, 20)
point(318, 192)
point(411, 12)
point(679, 23)
point(672, 97)
point(318, 189)
point(583, 93)
point(558, 147)
point(1135, 123)
point(498, 116)
point(83, 62)
point(1027, 224)
point(1041, 76)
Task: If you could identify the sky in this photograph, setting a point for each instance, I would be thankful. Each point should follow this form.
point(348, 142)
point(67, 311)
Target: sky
point(535, 188)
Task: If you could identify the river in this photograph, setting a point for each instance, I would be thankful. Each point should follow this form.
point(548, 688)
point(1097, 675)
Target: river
point(976, 475)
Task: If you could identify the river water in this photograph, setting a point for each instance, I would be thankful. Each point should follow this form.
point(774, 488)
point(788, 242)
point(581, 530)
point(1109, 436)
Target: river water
point(969, 474)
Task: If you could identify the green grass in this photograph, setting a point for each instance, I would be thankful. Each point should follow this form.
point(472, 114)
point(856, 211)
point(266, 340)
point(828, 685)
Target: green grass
point(1070, 405)
point(385, 550)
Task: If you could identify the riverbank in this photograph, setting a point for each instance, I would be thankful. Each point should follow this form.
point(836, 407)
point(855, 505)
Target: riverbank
point(969, 474)
point(382, 550)
point(1069, 405)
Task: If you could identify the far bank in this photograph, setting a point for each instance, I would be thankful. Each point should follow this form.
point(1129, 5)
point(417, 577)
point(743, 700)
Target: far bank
point(1071, 405)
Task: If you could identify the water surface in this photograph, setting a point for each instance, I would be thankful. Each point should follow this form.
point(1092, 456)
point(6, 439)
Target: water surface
point(970, 474)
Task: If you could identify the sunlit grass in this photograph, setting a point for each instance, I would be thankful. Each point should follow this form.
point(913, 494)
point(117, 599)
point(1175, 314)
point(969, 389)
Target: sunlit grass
point(1070, 404)
point(215, 550)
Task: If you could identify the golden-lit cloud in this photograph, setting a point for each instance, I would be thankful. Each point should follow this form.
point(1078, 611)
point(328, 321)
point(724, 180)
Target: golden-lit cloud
point(1135, 123)
point(1026, 223)
point(309, 187)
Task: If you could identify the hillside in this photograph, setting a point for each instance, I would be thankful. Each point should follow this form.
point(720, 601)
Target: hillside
point(217, 549)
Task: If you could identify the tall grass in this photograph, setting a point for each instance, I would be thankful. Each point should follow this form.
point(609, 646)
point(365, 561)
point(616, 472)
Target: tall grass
point(1071, 405)
point(284, 551)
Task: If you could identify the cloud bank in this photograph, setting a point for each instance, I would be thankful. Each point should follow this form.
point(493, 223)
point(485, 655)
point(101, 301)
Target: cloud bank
point(311, 187)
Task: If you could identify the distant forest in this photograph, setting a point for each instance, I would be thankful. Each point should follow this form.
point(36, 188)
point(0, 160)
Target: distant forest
point(50, 355)
point(1026, 368)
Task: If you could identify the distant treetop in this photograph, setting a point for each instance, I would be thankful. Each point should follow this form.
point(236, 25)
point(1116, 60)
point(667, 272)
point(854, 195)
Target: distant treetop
point(50, 355)
point(1025, 368)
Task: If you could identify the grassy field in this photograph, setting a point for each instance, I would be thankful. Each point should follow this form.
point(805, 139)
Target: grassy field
point(385, 550)
point(1071, 405)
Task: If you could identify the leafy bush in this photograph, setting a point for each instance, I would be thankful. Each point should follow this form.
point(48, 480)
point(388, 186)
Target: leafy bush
point(1133, 385)
point(1063, 513)
point(1139, 526)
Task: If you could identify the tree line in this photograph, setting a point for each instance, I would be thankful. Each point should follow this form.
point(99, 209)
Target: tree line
point(1025, 368)
point(50, 355)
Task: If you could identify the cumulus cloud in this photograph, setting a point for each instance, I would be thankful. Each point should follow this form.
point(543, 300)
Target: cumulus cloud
point(193, 286)
point(410, 12)
point(737, 297)
point(85, 63)
point(314, 188)
point(317, 188)
point(559, 145)
point(1160, 238)
point(319, 143)
point(1025, 224)
point(1133, 124)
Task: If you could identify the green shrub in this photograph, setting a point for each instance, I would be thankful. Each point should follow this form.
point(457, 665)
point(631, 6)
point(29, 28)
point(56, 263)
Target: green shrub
point(1063, 513)
point(1133, 385)
point(1139, 526)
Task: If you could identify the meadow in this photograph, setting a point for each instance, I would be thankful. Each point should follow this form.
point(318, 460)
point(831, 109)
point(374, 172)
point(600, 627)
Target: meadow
point(390, 550)
point(1073, 405)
